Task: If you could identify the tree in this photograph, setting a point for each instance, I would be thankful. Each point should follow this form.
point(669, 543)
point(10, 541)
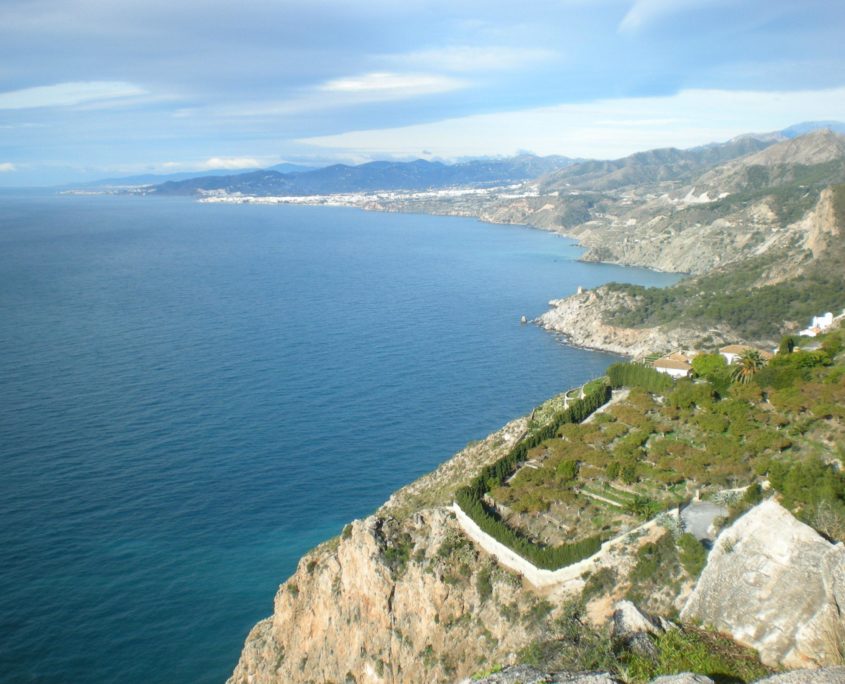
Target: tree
point(787, 345)
point(747, 365)
point(708, 365)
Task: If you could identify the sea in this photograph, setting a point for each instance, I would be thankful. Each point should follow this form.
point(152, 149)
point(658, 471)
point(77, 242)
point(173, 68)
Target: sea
point(193, 395)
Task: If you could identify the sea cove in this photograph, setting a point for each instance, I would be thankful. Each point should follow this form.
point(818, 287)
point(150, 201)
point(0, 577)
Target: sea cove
point(198, 393)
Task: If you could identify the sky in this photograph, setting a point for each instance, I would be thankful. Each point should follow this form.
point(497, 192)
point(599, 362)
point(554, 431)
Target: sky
point(103, 88)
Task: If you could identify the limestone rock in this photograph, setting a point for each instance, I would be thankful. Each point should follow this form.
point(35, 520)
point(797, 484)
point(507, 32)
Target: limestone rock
point(629, 620)
point(774, 584)
point(581, 318)
point(829, 675)
point(523, 674)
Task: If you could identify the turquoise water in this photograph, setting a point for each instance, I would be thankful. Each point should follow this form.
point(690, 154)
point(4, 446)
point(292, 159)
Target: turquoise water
point(194, 395)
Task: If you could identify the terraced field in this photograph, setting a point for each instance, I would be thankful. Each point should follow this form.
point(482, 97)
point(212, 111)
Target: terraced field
point(656, 449)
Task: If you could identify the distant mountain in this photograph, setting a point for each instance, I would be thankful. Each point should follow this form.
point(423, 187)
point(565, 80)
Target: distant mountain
point(379, 175)
point(149, 179)
point(808, 126)
point(285, 167)
point(158, 178)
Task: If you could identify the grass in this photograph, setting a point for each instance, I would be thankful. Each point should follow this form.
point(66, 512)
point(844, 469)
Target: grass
point(699, 651)
point(576, 647)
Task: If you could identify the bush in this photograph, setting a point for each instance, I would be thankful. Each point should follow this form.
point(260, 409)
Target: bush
point(693, 554)
point(599, 583)
point(709, 365)
point(567, 471)
point(688, 394)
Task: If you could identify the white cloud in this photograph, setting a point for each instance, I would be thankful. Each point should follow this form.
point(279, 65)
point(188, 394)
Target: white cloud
point(392, 84)
point(601, 129)
point(337, 93)
point(5, 167)
point(230, 163)
point(644, 11)
point(470, 58)
point(68, 94)
point(217, 164)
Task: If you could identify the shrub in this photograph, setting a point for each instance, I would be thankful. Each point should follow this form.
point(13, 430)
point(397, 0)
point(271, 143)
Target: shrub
point(709, 365)
point(599, 583)
point(567, 470)
point(688, 394)
point(693, 554)
point(484, 584)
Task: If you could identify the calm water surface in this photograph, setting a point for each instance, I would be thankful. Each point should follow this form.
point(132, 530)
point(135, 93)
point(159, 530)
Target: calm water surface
point(194, 395)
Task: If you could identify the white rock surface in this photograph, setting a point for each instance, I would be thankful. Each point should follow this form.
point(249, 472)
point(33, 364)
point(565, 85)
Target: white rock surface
point(774, 584)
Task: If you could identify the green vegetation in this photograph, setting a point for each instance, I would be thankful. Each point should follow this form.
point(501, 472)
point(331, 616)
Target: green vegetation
point(638, 375)
point(470, 498)
point(731, 295)
point(692, 650)
point(398, 553)
point(599, 583)
point(693, 554)
point(574, 483)
point(575, 646)
point(746, 366)
point(658, 566)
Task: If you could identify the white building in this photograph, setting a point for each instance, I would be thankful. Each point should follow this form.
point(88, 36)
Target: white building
point(819, 325)
point(676, 364)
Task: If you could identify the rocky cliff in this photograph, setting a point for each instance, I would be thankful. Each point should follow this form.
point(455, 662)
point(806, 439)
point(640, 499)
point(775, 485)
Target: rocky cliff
point(581, 319)
point(401, 596)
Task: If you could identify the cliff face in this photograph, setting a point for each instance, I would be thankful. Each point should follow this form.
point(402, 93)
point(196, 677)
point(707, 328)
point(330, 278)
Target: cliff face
point(401, 596)
point(408, 601)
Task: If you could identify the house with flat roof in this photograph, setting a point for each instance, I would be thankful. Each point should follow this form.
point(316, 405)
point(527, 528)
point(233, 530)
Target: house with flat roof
point(818, 325)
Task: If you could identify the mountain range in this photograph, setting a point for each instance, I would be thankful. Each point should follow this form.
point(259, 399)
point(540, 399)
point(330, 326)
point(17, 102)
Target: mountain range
point(378, 175)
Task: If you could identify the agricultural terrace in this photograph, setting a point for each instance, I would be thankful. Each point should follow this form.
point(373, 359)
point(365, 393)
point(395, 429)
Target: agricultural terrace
point(661, 441)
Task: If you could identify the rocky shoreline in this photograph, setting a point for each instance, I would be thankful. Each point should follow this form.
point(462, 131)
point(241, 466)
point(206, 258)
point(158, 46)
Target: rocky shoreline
point(580, 319)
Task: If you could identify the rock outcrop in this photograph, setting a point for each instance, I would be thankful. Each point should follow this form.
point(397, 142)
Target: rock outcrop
point(828, 675)
point(776, 585)
point(529, 675)
point(523, 674)
point(581, 319)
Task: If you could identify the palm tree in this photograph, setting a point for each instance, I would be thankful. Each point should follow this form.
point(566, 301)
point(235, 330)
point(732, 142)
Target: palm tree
point(748, 363)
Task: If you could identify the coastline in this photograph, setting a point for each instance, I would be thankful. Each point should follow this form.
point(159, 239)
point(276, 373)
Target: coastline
point(578, 321)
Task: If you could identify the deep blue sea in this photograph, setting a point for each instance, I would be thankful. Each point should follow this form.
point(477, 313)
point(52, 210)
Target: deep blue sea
point(193, 395)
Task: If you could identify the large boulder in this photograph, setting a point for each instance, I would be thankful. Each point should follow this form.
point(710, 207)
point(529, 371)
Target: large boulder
point(774, 584)
point(630, 629)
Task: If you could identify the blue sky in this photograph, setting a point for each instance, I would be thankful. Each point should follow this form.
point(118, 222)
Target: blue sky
point(94, 88)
